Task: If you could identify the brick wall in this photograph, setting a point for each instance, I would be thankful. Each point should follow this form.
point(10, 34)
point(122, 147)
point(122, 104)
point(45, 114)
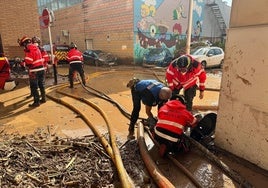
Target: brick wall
point(109, 24)
point(18, 18)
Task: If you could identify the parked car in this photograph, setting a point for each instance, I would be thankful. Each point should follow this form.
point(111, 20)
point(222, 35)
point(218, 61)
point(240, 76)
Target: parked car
point(157, 57)
point(98, 57)
point(209, 56)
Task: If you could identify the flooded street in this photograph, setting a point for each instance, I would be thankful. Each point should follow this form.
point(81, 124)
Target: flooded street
point(17, 117)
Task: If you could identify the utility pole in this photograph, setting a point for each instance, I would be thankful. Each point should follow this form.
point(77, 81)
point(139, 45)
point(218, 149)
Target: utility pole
point(189, 29)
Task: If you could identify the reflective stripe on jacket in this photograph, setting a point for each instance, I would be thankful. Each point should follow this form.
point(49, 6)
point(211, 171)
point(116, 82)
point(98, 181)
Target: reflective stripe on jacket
point(178, 80)
point(173, 117)
point(33, 58)
point(74, 56)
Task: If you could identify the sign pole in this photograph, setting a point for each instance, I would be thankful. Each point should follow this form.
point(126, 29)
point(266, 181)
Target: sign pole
point(47, 20)
point(52, 56)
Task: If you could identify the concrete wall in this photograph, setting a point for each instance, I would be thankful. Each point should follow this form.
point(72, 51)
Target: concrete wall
point(18, 18)
point(242, 125)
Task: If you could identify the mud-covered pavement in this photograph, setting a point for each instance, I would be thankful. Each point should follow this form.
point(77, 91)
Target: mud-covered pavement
point(17, 117)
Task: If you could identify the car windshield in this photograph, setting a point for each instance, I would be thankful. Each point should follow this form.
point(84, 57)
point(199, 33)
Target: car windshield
point(201, 51)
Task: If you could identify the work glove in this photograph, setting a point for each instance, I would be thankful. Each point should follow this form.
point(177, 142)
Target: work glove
point(151, 122)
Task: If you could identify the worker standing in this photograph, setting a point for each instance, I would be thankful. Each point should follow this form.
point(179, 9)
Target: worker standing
point(34, 61)
point(37, 41)
point(75, 59)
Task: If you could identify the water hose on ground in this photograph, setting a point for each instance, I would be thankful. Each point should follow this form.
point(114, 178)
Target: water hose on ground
point(113, 152)
point(155, 172)
point(107, 98)
point(205, 107)
point(177, 163)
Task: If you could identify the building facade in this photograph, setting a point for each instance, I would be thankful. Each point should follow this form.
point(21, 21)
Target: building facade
point(128, 28)
point(18, 19)
point(125, 28)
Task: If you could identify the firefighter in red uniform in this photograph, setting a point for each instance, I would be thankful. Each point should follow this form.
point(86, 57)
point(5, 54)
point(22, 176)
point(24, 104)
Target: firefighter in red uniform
point(34, 61)
point(6, 82)
point(184, 73)
point(37, 41)
point(173, 118)
point(75, 60)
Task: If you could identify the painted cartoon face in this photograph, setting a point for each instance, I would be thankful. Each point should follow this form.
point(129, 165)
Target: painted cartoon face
point(153, 30)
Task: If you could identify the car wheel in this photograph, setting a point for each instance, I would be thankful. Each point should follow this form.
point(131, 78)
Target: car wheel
point(221, 64)
point(204, 64)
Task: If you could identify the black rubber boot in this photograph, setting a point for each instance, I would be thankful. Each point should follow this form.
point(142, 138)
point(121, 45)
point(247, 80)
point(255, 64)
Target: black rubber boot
point(34, 105)
point(43, 97)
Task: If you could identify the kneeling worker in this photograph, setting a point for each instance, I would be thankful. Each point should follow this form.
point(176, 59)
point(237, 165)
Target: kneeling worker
point(173, 118)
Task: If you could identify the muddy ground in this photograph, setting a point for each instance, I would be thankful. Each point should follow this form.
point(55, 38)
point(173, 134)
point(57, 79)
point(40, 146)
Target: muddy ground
point(17, 117)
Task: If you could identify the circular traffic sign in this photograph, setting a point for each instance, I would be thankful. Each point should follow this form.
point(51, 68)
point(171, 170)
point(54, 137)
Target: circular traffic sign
point(46, 18)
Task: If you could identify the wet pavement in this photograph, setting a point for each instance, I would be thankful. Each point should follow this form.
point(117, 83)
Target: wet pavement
point(17, 117)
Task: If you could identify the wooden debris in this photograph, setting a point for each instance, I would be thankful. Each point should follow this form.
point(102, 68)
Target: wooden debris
point(45, 160)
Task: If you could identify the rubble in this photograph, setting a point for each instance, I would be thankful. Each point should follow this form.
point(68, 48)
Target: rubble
point(43, 160)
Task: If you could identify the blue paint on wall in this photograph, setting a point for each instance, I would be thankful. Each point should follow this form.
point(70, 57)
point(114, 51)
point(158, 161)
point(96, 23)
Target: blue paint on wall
point(162, 23)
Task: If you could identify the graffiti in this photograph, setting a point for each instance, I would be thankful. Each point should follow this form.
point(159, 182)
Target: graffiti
point(162, 23)
point(179, 12)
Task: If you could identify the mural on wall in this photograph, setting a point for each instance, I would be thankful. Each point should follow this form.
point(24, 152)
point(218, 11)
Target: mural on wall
point(163, 23)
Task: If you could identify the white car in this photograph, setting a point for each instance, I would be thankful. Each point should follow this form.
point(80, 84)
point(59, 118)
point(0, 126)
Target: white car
point(209, 56)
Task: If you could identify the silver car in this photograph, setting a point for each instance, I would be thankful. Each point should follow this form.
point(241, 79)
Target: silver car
point(209, 56)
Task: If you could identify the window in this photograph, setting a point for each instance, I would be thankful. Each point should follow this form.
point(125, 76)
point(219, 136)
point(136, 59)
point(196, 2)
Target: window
point(211, 52)
point(56, 4)
point(218, 51)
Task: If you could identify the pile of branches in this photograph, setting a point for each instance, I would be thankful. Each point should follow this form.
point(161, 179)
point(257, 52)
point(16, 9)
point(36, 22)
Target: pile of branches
point(42, 160)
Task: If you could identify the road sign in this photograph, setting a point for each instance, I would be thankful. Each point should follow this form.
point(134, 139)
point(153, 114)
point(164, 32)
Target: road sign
point(46, 17)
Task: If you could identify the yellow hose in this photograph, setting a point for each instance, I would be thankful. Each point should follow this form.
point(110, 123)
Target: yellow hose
point(155, 172)
point(112, 151)
point(125, 179)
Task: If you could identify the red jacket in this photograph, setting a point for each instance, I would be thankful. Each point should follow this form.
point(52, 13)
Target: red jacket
point(45, 57)
point(74, 56)
point(173, 117)
point(178, 80)
point(4, 71)
point(33, 58)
